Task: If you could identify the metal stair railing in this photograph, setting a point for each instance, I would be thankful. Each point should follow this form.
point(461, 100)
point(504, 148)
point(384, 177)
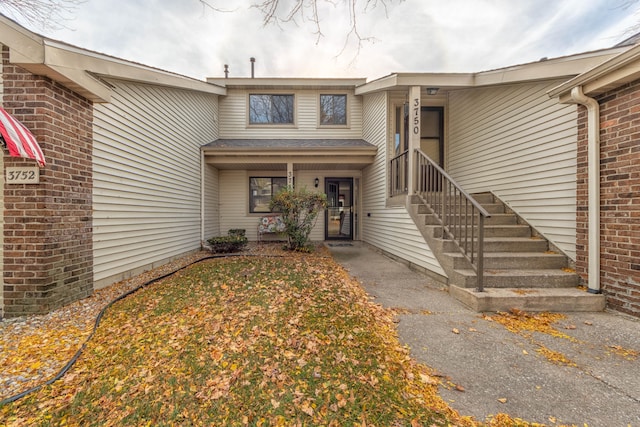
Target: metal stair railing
point(462, 218)
point(398, 172)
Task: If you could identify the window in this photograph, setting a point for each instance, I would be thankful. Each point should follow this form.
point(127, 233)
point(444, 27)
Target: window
point(270, 109)
point(261, 189)
point(333, 109)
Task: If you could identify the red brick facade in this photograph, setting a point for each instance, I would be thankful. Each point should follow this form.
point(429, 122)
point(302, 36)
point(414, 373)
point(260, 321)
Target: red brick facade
point(619, 198)
point(48, 259)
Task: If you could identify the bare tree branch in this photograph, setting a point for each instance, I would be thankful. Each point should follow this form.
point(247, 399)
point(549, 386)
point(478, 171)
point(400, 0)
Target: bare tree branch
point(46, 14)
point(299, 12)
point(207, 4)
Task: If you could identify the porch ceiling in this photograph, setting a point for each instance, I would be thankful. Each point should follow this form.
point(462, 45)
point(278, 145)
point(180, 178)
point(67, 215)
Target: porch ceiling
point(274, 154)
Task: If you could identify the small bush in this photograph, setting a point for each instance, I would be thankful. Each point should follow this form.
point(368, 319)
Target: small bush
point(235, 241)
point(299, 210)
point(237, 232)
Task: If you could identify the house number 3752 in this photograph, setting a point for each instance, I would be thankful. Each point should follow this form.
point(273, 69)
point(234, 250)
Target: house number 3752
point(18, 175)
point(416, 116)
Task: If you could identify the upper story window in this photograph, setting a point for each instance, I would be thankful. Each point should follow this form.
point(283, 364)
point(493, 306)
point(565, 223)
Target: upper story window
point(271, 109)
point(333, 109)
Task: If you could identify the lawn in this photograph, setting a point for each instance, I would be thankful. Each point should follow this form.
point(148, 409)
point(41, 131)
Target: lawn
point(265, 341)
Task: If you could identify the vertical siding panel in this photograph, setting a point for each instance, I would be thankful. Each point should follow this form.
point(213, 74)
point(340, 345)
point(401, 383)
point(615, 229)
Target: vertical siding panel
point(518, 143)
point(390, 229)
point(147, 176)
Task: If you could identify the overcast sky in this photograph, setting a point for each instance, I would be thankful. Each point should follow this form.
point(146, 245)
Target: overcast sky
point(412, 36)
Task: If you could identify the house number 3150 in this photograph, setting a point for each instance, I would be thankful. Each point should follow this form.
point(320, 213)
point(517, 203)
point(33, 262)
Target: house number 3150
point(416, 116)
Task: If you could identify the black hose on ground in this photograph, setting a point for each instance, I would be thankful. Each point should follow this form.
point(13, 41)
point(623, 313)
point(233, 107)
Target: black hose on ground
point(75, 357)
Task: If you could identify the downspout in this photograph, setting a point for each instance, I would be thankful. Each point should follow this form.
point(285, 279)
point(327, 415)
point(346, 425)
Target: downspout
point(202, 198)
point(593, 185)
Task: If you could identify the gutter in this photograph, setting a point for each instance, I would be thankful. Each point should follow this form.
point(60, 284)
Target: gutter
point(593, 185)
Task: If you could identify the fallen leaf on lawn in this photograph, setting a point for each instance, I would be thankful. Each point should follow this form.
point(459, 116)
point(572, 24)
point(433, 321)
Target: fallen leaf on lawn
point(455, 330)
point(588, 323)
point(502, 400)
point(427, 379)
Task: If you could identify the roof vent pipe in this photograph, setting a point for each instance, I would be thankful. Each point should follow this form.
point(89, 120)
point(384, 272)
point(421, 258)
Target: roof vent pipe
point(226, 71)
point(253, 63)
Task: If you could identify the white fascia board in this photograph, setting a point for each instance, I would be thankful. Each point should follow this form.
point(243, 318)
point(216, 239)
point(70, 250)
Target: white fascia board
point(620, 69)
point(24, 46)
point(406, 80)
point(565, 67)
point(286, 83)
point(62, 55)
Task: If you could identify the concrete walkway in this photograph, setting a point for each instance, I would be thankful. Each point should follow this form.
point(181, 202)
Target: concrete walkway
point(489, 370)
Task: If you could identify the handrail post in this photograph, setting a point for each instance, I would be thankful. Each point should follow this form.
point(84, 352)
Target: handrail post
point(480, 272)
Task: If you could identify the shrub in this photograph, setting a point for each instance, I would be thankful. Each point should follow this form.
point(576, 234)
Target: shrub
point(235, 241)
point(237, 232)
point(299, 211)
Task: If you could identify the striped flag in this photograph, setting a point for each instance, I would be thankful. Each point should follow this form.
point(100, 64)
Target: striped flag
point(19, 141)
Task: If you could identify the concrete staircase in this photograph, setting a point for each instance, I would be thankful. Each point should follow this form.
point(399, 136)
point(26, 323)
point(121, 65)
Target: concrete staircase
point(521, 269)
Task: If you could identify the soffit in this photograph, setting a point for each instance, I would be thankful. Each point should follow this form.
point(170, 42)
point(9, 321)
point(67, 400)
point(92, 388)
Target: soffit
point(274, 154)
point(545, 69)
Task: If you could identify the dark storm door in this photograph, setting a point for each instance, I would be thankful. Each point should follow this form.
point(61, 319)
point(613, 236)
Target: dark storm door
point(338, 223)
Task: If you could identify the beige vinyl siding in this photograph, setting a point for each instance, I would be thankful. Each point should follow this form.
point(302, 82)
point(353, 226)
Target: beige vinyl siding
point(518, 143)
point(211, 201)
point(388, 228)
point(234, 198)
point(234, 201)
point(234, 121)
point(146, 188)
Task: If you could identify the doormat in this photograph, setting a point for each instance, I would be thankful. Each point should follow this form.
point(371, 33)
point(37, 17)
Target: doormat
point(337, 245)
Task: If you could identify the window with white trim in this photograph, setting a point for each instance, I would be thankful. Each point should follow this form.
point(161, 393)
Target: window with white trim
point(261, 190)
point(333, 110)
point(267, 108)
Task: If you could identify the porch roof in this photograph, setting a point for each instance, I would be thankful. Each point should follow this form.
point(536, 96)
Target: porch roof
point(275, 154)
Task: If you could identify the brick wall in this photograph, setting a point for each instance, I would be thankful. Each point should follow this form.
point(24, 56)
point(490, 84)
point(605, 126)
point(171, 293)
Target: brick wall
point(48, 258)
point(619, 198)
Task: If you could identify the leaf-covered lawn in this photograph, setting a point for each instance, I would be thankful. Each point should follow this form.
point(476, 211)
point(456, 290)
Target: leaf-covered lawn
point(244, 341)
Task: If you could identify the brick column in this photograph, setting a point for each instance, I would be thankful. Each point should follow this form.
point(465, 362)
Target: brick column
point(48, 253)
point(619, 198)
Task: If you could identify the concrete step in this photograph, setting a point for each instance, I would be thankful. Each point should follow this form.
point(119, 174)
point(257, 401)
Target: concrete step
point(501, 219)
point(511, 278)
point(483, 198)
point(508, 244)
point(489, 207)
point(514, 260)
point(528, 299)
point(502, 231)
point(517, 230)
point(494, 219)
point(524, 260)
